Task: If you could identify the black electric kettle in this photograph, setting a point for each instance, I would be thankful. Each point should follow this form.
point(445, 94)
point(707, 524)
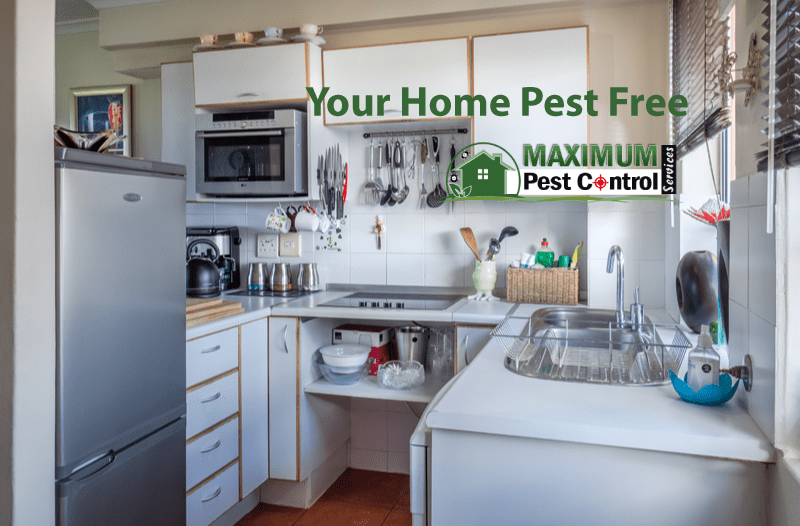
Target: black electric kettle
point(202, 275)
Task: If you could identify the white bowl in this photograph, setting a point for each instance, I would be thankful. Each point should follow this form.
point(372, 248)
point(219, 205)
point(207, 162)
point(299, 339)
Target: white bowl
point(345, 354)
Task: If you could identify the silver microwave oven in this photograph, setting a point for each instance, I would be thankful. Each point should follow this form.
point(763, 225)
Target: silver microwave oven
point(251, 154)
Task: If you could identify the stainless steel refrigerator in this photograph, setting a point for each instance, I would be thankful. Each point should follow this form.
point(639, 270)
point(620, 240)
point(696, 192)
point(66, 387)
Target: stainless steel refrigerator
point(121, 338)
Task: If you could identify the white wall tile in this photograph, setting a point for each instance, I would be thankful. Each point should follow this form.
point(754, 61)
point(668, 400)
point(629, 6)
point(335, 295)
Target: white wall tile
point(332, 267)
point(603, 287)
point(368, 430)
point(651, 284)
point(485, 227)
point(485, 207)
point(740, 189)
point(362, 235)
point(368, 269)
point(444, 270)
point(199, 219)
point(653, 236)
point(614, 228)
point(758, 189)
point(399, 462)
point(230, 208)
point(530, 224)
point(442, 234)
point(369, 460)
point(739, 337)
point(738, 273)
point(406, 235)
point(761, 403)
point(761, 265)
point(230, 219)
point(400, 429)
point(199, 208)
point(405, 269)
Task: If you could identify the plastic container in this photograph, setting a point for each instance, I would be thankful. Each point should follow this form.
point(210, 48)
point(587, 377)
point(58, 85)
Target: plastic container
point(703, 362)
point(401, 375)
point(338, 376)
point(345, 354)
point(545, 255)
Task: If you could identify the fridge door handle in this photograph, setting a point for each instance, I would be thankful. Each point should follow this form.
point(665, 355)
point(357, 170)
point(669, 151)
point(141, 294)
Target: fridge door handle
point(93, 466)
point(212, 349)
point(211, 398)
point(212, 447)
point(213, 495)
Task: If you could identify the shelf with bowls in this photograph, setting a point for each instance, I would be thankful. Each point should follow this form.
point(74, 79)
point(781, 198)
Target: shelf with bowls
point(368, 387)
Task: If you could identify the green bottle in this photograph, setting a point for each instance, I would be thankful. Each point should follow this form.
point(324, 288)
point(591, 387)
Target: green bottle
point(545, 256)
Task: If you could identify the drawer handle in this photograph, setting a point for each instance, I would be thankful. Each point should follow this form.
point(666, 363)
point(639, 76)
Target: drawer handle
point(285, 344)
point(212, 349)
point(213, 495)
point(211, 398)
point(248, 94)
point(212, 447)
point(466, 350)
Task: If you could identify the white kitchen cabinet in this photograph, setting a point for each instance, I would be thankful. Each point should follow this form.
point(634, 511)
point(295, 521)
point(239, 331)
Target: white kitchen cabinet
point(212, 499)
point(304, 430)
point(208, 453)
point(254, 412)
point(556, 62)
point(257, 75)
point(440, 66)
point(470, 339)
point(177, 120)
point(211, 403)
point(211, 355)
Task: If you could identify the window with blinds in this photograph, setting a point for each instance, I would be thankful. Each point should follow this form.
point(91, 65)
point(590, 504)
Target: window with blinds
point(699, 45)
point(787, 84)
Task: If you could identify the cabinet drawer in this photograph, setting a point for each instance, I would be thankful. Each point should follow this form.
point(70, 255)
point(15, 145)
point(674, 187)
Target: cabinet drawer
point(211, 403)
point(211, 452)
point(213, 498)
point(211, 355)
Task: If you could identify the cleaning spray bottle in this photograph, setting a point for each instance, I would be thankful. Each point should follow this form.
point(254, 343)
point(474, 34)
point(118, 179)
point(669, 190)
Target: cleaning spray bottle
point(703, 362)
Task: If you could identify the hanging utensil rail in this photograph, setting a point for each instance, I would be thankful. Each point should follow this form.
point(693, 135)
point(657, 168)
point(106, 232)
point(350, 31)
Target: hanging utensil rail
point(417, 132)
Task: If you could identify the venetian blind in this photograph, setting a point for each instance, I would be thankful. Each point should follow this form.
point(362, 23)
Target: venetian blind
point(787, 84)
point(699, 42)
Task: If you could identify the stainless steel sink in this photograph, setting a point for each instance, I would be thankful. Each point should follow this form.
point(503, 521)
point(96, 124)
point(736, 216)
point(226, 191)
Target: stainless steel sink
point(587, 345)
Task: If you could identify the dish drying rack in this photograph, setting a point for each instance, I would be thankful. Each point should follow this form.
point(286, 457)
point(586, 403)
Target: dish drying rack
point(614, 354)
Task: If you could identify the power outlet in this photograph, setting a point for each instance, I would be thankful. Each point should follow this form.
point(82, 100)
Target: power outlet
point(267, 246)
point(289, 244)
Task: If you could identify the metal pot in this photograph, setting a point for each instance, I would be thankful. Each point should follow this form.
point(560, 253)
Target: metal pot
point(202, 275)
point(411, 343)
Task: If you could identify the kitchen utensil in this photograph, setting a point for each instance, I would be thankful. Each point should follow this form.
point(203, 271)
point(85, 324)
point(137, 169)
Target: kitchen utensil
point(575, 255)
point(307, 277)
point(280, 277)
point(345, 354)
point(202, 275)
point(452, 166)
point(257, 278)
point(369, 187)
point(508, 231)
point(494, 248)
point(320, 169)
point(437, 197)
point(401, 375)
point(378, 181)
point(399, 193)
point(469, 239)
point(411, 342)
point(423, 194)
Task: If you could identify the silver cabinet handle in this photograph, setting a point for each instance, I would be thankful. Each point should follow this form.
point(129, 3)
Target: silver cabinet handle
point(214, 446)
point(466, 350)
point(213, 495)
point(248, 94)
point(285, 343)
point(211, 398)
point(212, 349)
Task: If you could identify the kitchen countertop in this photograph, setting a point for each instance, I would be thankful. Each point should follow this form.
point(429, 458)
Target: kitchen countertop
point(255, 307)
point(488, 398)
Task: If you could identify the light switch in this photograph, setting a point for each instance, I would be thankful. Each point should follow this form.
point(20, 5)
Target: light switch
point(289, 244)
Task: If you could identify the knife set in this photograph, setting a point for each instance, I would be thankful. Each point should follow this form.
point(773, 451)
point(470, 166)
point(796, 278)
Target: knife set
point(332, 179)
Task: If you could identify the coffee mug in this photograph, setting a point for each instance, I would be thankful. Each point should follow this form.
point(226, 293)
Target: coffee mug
point(208, 40)
point(278, 221)
point(311, 30)
point(306, 220)
point(273, 32)
point(243, 36)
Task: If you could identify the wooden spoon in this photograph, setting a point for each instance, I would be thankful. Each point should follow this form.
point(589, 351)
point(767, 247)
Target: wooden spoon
point(469, 239)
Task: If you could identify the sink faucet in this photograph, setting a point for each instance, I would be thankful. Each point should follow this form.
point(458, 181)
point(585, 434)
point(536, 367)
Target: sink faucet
point(616, 253)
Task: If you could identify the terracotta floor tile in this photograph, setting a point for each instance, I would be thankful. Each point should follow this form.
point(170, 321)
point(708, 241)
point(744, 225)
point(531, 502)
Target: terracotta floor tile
point(369, 488)
point(338, 513)
point(404, 502)
point(268, 514)
point(398, 517)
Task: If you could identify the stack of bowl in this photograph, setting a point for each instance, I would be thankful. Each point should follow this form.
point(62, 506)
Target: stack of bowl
point(344, 364)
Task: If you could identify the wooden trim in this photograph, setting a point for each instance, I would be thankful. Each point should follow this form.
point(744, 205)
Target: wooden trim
point(210, 333)
point(249, 103)
point(308, 69)
point(211, 380)
point(216, 473)
point(530, 31)
point(213, 428)
point(395, 43)
point(297, 372)
point(240, 413)
point(247, 323)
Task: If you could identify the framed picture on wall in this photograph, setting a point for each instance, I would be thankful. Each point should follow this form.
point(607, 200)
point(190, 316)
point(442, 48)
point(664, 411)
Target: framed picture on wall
point(103, 108)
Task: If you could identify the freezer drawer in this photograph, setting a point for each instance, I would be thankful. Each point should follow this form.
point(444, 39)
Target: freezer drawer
point(211, 403)
point(211, 452)
point(211, 355)
point(114, 489)
point(213, 498)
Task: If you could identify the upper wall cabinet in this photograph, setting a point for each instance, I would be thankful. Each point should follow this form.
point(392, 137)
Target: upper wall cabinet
point(554, 61)
point(439, 66)
point(269, 74)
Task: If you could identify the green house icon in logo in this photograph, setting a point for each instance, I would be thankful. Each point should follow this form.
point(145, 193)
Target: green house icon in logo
point(485, 174)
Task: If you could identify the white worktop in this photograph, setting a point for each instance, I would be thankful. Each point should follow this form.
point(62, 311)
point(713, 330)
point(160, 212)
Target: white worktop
point(255, 307)
point(488, 398)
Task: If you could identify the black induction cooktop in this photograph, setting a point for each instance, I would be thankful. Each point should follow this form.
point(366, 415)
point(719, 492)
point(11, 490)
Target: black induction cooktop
point(272, 293)
point(395, 300)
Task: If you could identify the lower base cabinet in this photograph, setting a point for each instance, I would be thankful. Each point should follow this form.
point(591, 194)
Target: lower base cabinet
point(212, 499)
point(470, 339)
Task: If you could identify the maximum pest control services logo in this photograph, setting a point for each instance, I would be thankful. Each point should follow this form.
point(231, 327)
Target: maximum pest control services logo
point(569, 170)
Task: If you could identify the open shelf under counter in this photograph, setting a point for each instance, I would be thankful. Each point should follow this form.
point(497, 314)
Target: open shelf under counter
point(368, 387)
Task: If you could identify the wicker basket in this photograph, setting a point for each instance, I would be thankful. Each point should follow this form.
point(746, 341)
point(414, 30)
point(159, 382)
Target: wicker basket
point(557, 286)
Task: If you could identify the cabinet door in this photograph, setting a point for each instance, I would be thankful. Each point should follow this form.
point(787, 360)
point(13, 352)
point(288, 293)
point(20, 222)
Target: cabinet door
point(470, 339)
point(177, 119)
point(284, 394)
point(556, 62)
point(254, 371)
point(251, 75)
point(439, 66)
